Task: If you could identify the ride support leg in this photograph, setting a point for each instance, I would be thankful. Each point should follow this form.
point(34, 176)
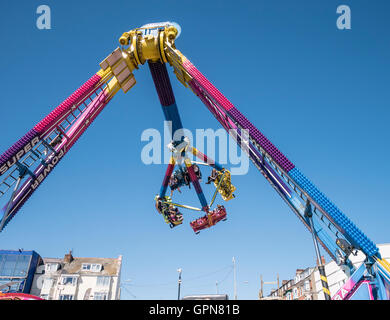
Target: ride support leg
point(321, 267)
point(168, 174)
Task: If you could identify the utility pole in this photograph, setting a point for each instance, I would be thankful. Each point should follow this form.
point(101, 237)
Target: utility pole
point(179, 283)
point(262, 283)
point(216, 284)
point(235, 279)
point(261, 293)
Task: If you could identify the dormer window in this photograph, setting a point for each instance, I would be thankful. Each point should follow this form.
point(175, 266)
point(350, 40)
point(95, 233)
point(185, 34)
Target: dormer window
point(93, 267)
point(51, 267)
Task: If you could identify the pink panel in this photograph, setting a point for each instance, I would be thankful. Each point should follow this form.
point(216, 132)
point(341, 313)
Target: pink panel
point(46, 123)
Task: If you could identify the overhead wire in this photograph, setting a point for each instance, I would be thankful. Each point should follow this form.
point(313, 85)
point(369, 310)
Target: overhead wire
point(184, 279)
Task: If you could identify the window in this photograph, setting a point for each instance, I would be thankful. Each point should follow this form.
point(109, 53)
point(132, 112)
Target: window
point(51, 267)
point(307, 285)
point(9, 262)
point(103, 281)
point(94, 267)
point(47, 284)
point(22, 266)
point(17, 284)
point(86, 267)
point(66, 297)
point(295, 293)
point(68, 280)
point(14, 265)
point(100, 296)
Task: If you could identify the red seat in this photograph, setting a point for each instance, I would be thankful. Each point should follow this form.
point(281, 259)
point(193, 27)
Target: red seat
point(209, 220)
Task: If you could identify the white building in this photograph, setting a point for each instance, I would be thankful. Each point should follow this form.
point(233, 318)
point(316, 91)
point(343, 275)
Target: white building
point(337, 277)
point(73, 278)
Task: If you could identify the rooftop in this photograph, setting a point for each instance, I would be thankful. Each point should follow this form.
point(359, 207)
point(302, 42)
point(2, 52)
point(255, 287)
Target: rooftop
point(73, 265)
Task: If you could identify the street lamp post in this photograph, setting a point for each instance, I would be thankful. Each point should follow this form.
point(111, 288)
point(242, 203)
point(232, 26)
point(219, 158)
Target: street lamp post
point(234, 280)
point(179, 283)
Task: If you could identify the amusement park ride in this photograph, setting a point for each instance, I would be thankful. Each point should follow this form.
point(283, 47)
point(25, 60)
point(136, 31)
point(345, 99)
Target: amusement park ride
point(26, 164)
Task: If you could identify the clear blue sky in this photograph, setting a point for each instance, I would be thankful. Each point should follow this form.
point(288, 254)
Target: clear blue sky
point(319, 94)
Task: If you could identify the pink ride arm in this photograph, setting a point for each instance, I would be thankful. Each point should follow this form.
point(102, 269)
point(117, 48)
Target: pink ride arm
point(72, 135)
point(24, 145)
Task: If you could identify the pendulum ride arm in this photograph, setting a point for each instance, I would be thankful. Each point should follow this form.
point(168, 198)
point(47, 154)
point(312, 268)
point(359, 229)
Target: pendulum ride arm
point(167, 176)
point(195, 182)
point(167, 99)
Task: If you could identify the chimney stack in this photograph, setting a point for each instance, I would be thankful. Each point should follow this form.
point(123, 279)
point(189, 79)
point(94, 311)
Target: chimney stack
point(68, 258)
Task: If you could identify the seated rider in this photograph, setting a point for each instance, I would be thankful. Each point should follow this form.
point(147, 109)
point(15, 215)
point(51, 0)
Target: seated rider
point(186, 177)
point(172, 210)
point(174, 214)
point(174, 184)
point(213, 176)
point(197, 172)
point(159, 206)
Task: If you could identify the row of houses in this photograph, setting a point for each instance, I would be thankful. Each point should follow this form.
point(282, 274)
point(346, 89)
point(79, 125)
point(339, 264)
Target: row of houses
point(67, 278)
point(77, 278)
point(306, 284)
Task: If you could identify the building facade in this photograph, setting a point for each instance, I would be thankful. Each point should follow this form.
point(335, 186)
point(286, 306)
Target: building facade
point(74, 278)
point(337, 277)
point(307, 283)
point(17, 269)
point(299, 288)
